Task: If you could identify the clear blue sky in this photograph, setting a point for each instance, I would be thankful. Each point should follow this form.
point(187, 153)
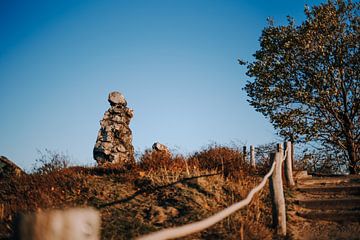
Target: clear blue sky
point(174, 61)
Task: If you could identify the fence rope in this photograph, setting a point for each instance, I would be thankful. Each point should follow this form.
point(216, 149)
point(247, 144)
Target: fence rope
point(190, 228)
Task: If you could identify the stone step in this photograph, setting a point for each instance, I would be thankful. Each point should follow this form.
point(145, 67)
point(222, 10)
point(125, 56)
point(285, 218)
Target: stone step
point(346, 203)
point(351, 179)
point(334, 216)
point(348, 190)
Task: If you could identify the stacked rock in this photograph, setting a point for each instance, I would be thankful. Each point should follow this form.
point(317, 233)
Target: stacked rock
point(114, 141)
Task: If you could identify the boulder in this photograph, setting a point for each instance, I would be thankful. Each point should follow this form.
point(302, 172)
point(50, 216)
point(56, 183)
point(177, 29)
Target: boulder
point(161, 148)
point(116, 98)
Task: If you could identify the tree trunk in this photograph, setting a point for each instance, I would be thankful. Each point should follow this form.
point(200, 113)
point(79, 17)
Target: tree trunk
point(351, 144)
point(353, 157)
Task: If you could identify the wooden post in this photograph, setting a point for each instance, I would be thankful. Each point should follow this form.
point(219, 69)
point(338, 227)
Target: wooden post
point(2, 211)
point(241, 231)
point(252, 156)
point(277, 193)
point(75, 223)
point(244, 153)
point(288, 165)
point(293, 155)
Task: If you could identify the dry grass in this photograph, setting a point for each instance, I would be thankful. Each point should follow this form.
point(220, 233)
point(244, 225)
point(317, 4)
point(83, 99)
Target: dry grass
point(158, 192)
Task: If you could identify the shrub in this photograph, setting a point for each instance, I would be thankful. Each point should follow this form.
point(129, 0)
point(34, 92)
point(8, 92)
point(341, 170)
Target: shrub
point(157, 160)
point(229, 161)
point(50, 161)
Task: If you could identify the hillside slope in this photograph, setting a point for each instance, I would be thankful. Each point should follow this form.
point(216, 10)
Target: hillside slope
point(134, 202)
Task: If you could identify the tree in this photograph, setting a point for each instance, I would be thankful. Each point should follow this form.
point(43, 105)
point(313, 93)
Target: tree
point(306, 78)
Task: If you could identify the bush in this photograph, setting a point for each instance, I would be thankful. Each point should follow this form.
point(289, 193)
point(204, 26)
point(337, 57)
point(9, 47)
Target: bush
point(229, 161)
point(50, 161)
point(157, 160)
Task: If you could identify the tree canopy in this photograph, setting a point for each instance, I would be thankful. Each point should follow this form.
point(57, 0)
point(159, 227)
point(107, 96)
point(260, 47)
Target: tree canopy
point(306, 78)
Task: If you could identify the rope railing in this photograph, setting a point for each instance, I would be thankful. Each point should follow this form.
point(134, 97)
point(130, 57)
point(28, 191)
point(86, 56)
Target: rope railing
point(187, 229)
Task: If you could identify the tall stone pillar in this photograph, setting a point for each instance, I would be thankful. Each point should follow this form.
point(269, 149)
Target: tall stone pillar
point(114, 140)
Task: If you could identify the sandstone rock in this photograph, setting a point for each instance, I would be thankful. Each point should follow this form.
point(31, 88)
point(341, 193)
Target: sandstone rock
point(114, 140)
point(8, 168)
point(116, 98)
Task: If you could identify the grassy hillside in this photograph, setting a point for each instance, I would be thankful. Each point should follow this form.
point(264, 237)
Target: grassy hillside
point(160, 191)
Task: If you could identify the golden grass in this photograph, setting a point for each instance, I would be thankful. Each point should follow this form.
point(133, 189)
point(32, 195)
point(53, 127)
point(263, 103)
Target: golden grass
point(160, 191)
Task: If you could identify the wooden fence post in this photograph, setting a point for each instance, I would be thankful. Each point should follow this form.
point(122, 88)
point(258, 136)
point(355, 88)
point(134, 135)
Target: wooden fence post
point(288, 164)
point(292, 155)
point(277, 192)
point(2, 211)
point(75, 223)
point(244, 153)
point(252, 156)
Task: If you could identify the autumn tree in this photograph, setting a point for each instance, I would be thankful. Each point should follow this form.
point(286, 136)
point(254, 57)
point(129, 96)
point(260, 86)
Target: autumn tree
point(306, 78)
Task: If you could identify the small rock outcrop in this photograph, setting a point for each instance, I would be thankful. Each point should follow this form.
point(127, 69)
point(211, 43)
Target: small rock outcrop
point(8, 168)
point(114, 140)
point(158, 147)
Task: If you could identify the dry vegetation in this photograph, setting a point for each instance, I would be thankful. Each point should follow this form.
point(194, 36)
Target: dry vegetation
point(159, 192)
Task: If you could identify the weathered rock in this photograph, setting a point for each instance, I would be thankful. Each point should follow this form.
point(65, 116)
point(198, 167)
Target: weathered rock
point(114, 140)
point(8, 168)
point(116, 98)
point(161, 148)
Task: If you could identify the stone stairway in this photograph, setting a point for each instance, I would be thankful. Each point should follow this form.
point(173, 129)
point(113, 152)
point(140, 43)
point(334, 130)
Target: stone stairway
point(325, 208)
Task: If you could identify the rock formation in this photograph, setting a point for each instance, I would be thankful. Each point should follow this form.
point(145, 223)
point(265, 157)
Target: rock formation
point(161, 148)
point(114, 141)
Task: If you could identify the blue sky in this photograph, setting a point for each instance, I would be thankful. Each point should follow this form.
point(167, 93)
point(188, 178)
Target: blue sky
point(174, 61)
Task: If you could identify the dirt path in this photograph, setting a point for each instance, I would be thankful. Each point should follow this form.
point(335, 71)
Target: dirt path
point(325, 208)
